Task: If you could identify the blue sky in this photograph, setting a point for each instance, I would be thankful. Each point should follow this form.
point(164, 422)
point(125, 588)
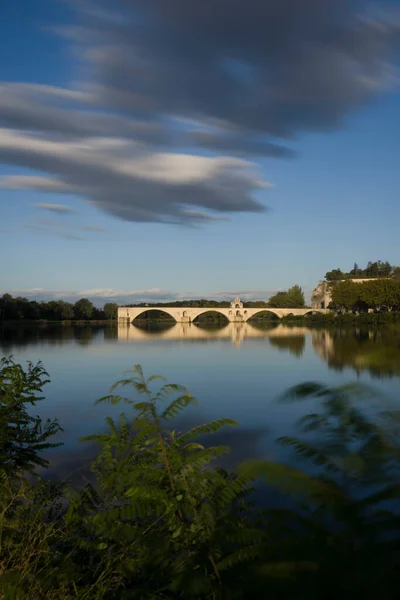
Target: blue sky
point(147, 155)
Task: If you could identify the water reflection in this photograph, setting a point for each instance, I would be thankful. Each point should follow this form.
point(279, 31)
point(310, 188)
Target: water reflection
point(235, 332)
point(237, 371)
point(13, 336)
point(374, 351)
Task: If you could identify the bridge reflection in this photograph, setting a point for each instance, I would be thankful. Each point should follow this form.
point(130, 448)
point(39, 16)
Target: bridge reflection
point(236, 332)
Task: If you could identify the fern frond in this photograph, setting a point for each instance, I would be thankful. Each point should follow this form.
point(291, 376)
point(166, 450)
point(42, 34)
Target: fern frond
point(149, 493)
point(99, 438)
point(247, 554)
point(156, 377)
point(293, 481)
point(113, 427)
point(171, 388)
point(207, 428)
point(307, 451)
point(177, 406)
point(285, 569)
point(113, 399)
point(204, 457)
point(231, 490)
point(313, 422)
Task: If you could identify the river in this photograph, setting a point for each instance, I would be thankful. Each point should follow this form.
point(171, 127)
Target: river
point(238, 371)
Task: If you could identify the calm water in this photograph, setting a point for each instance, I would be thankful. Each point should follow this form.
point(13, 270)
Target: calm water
point(238, 371)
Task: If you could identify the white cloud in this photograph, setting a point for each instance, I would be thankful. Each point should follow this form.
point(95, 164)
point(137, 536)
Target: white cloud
point(128, 180)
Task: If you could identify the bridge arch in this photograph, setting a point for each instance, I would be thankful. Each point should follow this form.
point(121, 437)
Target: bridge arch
point(272, 311)
point(221, 313)
point(155, 309)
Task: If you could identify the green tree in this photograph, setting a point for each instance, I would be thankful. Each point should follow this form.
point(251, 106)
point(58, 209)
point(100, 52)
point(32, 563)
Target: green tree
point(345, 294)
point(355, 272)
point(22, 436)
point(334, 275)
point(293, 298)
point(110, 310)
point(5, 305)
point(375, 294)
point(66, 310)
point(279, 300)
point(162, 503)
point(83, 309)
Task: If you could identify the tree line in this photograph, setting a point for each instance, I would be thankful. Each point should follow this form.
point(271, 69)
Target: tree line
point(376, 295)
point(373, 269)
point(19, 308)
point(161, 518)
point(292, 298)
point(55, 310)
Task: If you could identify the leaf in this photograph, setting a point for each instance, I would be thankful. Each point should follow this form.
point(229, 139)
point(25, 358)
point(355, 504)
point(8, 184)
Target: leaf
point(154, 377)
point(171, 388)
point(112, 399)
point(246, 554)
point(307, 451)
point(177, 406)
point(102, 546)
point(293, 481)
point(177, 532)
point(205, 429)
point(147, 492)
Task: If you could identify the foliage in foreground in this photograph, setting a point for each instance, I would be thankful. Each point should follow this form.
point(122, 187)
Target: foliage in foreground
point(164, 521)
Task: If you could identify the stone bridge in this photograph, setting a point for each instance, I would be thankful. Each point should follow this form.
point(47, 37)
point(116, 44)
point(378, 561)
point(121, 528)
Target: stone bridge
point(235, 313)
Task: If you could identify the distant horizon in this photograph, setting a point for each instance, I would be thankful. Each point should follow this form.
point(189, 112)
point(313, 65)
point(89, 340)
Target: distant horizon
point(100, 297)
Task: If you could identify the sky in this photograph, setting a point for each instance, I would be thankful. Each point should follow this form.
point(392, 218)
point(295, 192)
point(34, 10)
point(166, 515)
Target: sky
point(183, 149)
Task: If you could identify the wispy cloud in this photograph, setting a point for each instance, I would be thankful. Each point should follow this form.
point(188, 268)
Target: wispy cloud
point(92, 228)
point(60, 209)
point(68, 231)
point(54, 230)
point(156, 86)
point(151, 295)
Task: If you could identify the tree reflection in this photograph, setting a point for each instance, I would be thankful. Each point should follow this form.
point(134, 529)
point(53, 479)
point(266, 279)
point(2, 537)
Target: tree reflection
point(293, 344)
point(375, 351)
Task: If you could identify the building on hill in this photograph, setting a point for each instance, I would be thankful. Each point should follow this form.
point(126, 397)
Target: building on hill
point(321, 297)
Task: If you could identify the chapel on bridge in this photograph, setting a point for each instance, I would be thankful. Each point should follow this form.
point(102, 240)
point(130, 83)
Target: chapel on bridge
point(237, 303)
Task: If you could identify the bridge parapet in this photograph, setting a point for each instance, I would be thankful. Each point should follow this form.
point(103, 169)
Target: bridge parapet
point(234, 314)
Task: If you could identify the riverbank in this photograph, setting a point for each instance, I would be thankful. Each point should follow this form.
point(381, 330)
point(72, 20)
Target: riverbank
point(43, 322)
point(335, 320)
